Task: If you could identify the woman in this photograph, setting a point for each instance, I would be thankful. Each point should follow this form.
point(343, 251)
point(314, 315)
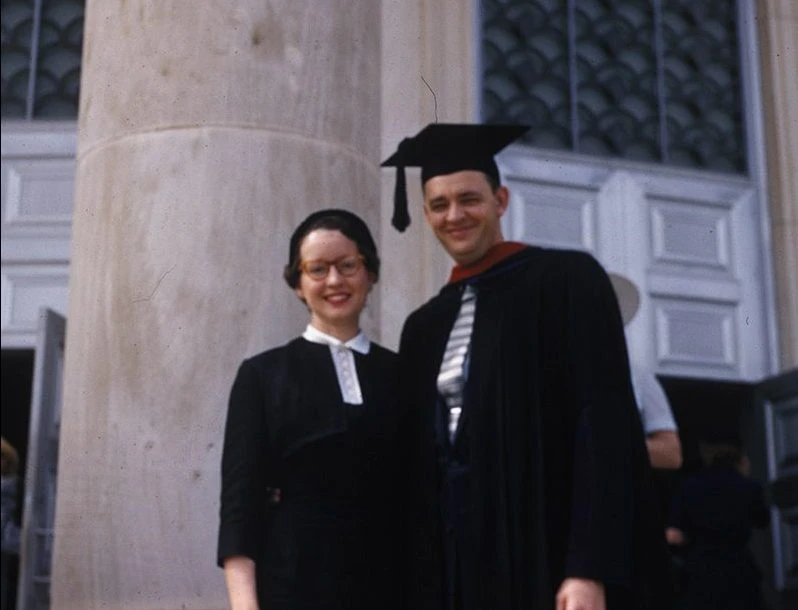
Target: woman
point(308, 459)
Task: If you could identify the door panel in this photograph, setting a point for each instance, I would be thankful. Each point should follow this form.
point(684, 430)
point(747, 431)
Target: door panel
point(778, 401)
point(37, 168)
point(41, 473)
point(690, 241)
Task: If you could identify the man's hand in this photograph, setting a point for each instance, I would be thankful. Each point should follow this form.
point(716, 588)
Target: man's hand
point(581, 594)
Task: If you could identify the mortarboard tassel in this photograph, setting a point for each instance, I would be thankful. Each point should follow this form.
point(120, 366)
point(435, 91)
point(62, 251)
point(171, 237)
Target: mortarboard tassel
point(401, 218)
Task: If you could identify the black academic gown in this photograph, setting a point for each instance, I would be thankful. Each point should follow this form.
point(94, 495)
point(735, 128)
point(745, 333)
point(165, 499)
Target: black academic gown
point(557, 480)
point(329, 542)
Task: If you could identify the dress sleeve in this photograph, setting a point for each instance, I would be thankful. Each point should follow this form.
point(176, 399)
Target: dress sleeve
point(244, 468)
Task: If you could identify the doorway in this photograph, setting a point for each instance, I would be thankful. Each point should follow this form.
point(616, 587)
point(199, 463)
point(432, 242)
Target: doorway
point(732, 413)
point(17, 376)
point(706, 411)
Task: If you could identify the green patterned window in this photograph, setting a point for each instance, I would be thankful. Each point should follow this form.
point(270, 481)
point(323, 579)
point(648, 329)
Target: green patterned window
point(42, 42)
point(649, 80)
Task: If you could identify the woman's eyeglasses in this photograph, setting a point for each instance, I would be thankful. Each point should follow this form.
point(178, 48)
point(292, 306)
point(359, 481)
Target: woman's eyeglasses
point(319, 269)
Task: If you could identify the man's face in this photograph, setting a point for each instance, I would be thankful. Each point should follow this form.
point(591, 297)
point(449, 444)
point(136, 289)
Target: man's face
point(464, 212)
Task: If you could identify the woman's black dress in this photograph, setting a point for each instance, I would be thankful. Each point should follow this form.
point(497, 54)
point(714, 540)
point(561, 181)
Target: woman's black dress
point(329, 542)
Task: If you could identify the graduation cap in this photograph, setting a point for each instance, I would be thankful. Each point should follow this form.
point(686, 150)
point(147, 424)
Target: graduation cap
point(445, 148)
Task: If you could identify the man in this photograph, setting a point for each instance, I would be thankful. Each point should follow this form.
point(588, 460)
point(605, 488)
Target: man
point(528, 482)
point(659, 425)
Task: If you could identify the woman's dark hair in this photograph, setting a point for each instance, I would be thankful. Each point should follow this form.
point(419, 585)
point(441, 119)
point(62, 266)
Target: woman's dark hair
point(349, 224)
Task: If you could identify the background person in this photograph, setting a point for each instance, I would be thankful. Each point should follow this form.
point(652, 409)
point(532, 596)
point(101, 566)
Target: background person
point(659, 425)
point(9, 529)
point(712, 517)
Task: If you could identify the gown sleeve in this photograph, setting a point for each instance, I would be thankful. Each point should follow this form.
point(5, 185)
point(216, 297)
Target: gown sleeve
point(244, 468)
point(418, 554)
point(609, 449)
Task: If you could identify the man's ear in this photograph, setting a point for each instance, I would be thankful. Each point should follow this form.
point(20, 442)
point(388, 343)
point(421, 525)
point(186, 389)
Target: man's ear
point(503, 199)
point(424, 203)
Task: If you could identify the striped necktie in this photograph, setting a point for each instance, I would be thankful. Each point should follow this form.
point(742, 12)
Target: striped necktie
point(452, 376)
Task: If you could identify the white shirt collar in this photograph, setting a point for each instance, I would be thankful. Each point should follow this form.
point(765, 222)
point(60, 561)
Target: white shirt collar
point(359, 343)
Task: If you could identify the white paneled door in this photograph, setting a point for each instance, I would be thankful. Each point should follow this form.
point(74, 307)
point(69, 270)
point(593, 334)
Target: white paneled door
point(36, 183)
point(691, 241)
point(38, 516)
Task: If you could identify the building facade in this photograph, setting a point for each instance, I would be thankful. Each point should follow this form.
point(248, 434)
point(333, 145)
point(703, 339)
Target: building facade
point(155, 219)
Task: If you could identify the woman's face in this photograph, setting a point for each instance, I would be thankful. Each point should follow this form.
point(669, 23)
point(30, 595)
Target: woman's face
point(335, 302)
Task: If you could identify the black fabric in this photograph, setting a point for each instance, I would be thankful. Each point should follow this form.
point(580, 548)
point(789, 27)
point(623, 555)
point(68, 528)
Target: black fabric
point(444, 148)
point(550, 457)
point(401, 217)
point(330, 541)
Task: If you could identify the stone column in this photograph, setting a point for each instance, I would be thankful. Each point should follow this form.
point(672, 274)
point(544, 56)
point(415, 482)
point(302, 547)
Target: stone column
point(207, 130)
point(779, 52)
